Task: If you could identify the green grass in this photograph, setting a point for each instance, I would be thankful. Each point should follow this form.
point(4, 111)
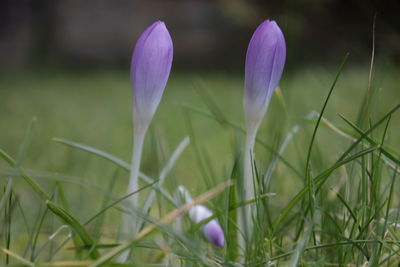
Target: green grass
point(340, 209)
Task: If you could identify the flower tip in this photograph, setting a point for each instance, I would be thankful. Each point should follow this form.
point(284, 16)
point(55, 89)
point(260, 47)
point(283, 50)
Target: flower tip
point(214, 233)
point(267, 21)
point(269, 26)
point(159, 23)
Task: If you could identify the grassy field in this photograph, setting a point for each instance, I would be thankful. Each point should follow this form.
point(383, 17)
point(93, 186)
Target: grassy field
point(94, 108)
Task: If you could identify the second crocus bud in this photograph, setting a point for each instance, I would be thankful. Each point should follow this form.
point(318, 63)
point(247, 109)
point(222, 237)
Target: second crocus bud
point(212, 230)
point(265, 60)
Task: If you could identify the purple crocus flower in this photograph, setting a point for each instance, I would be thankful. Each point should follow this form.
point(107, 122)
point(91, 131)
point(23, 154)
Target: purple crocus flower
point(214, 233)
point(265, 60)
point(151, 64)
point(150, 68)
point(212, 230)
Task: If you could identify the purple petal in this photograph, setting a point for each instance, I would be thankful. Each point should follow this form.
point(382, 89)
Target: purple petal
point(214, 233)
point(265, 60)
point(150, 68)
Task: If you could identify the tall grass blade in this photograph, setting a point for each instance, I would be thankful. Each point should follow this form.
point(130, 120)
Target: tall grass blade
point(60, 212)
point(20, 156)
point(232, 228)
point(239, 129)
point(307, 171)
point(17, 257)
point(119, 162)
point(64, 202)
point(318, 180)
point(164, 172)
point(167, 219)
point(78, 228)
point(392, 155)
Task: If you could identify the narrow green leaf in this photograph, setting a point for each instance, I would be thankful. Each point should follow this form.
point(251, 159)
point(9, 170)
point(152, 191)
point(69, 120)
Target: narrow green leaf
point(339, 163)
point(119, 162)
point(318, 180)
point(77, 241)
point(164, 172)
point(17, 257)
point(167, 219)
point(307, 171)
point(238, 128)
point(78, 228)
point(104, 209)
point(63, 214)
point(232, 228)
point(35, 186)
point(392, 155)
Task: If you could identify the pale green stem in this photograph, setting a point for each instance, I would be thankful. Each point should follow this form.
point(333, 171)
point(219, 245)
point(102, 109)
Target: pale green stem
point(133, 186)
point(130, 222)
point(245, 220)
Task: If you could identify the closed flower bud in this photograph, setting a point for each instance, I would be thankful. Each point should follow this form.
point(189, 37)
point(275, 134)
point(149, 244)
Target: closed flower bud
point(150, 68)
point(265, 60)
point(212, 230)
point(214, 233)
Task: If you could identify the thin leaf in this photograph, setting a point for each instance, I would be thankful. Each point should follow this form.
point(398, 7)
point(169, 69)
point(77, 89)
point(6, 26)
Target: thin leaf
point(60, 212)
point(167, 219)
point(78, 228)
point(17, 257)
point(119, 162)
point(317, 180)
point(164, 172)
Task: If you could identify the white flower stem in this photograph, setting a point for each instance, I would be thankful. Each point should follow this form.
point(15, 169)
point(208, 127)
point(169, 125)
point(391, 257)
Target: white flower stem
point(133, 186)
point(245, 220)
point(130, 222)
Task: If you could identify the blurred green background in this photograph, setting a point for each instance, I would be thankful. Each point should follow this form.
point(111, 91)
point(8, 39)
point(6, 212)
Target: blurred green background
point(94, 108)
point(66, 63)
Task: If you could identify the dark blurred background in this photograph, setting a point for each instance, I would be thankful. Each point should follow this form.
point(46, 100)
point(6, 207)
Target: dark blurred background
point(206, 33)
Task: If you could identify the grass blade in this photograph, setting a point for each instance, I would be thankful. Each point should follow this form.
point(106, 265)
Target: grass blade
point(164, 172)
point(170, 217)
point(232, 234)
point(78, 228)
point(392, 155)
point(119, 162)
point(60, 212)
point(317, 180)
point(307, 171)
point(17, 257)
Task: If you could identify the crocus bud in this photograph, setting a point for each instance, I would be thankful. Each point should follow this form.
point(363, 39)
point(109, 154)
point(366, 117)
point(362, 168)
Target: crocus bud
point(150, 68)
point(212, 230)
point(265, 60)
